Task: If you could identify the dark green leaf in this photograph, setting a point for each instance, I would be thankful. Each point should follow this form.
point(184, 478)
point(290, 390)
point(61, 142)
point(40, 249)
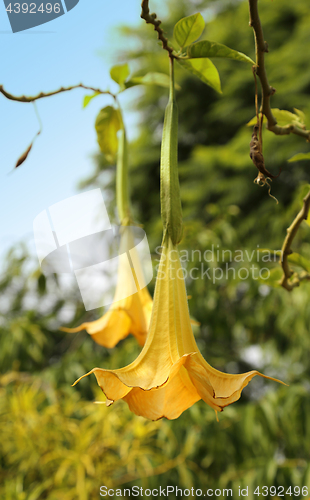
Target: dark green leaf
point(41, 284)
point(300, 156)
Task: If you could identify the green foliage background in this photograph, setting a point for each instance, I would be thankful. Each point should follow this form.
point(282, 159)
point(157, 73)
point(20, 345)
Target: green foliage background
point(54, 442)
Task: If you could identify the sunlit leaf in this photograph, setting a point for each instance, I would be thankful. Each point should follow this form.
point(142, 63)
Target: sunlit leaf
point(160, 79)
point(205, 70)
point(188, 29)
point(267, 410)
point(300, 156)
point(107, 125)
point(303, 191)
point(205, 48)
point(271, 277)
point(120, 73)
point(186, 478)
point(88, 98)
point(299, 260)
point(252, 121)
point(301, 115)
point(285, 117)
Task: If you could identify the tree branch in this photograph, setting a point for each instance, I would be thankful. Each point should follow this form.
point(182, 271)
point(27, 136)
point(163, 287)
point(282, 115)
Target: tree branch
point(48, 94)
point(290, 280)
point(261, 47)
point(151, 19)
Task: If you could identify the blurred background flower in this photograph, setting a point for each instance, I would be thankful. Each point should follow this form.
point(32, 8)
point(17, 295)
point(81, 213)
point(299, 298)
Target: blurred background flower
point(130, 313)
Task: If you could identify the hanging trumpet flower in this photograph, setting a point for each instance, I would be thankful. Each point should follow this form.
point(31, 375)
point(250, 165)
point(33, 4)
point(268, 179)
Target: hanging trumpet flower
point(131, 310)
point(170, 374)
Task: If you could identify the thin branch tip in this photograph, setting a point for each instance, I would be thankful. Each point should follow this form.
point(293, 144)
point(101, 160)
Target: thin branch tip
point(291, 280)
point(41, 95)
point(152, 19)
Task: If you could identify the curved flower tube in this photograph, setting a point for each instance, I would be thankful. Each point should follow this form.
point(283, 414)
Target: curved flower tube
point(130, 311)
point(170, 374)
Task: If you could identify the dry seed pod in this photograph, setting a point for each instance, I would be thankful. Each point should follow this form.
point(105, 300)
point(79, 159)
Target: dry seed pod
point(257, 157)
point(24, 156)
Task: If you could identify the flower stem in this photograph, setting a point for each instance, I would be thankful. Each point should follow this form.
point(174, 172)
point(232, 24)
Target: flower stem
point(122, 190)
point(171, 210)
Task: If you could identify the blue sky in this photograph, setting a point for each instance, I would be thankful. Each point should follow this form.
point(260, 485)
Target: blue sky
point(80, 46)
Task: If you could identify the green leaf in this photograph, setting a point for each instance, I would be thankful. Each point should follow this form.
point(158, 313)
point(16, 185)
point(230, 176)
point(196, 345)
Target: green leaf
point(205, 48)
point(301, 115)
point(205, 70)
point(188, 29)
point(299, 260)
point(42, 284)
point(88, 98)
point(302, 192)
point(120, 73)
point(160, 79)
point(271, 277)
point(107, 125)
point(285, 117)
point(252, 121)
point(300, 156)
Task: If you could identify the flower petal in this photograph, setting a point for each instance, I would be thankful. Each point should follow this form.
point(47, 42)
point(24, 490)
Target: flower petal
point(216, 388)
point(116, 384)
point(168, 401)
point(130, 315)
point(170, 374)
point(108, 330)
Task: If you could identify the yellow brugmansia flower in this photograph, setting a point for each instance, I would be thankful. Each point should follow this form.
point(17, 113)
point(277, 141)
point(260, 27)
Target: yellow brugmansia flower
point(130, 312)
point(170, 374)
